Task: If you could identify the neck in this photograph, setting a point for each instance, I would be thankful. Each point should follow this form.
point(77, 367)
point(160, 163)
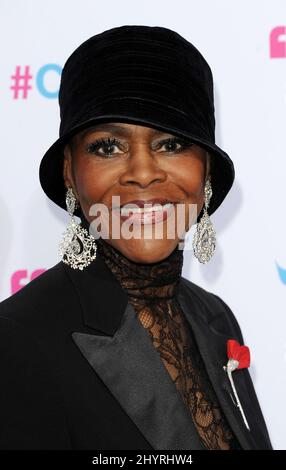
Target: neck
point(148, 281)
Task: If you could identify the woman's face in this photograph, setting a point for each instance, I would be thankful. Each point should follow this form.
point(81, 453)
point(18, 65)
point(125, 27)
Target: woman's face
point(135, 162)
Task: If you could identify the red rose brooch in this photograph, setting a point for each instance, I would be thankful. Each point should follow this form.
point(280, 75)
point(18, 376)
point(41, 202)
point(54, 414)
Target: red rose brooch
point(238, 358)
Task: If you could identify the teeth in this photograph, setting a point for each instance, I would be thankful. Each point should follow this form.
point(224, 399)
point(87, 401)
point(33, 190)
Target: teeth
point(142, 210)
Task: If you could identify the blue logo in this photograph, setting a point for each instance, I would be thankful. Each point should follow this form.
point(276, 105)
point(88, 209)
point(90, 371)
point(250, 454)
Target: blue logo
point(282, 273)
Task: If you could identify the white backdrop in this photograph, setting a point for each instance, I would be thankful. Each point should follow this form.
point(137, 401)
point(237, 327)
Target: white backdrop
point(245, 44)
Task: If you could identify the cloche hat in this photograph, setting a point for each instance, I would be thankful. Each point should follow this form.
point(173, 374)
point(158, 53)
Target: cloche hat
point(137, 74)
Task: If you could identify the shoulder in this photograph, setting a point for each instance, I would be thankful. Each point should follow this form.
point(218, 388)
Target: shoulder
point(31, 326)
point(39, 295)
point(215, 307)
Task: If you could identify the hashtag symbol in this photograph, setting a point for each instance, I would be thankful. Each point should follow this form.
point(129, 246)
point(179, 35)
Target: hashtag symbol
point(21, 82)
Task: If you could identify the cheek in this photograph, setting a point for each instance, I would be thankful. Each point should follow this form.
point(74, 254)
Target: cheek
point(92, 180)
point(189, 175)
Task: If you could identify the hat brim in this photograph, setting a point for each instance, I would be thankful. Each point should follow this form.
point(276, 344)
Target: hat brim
point(222, 168)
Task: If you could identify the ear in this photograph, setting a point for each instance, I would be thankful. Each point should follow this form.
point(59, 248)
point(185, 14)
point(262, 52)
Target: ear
point(208, 165)
point(67, 162)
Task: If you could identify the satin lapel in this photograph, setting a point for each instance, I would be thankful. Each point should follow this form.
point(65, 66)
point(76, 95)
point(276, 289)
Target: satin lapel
point(212, 344)
point(131, 368)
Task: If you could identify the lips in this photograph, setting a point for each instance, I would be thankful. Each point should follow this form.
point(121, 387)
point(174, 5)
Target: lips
point(149, 202)
point(148, 211)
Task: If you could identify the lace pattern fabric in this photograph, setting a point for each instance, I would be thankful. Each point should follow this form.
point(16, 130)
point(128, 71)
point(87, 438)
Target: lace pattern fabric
point(151, 289)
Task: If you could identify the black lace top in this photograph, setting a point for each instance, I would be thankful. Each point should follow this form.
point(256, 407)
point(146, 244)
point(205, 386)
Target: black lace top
point(151, 290)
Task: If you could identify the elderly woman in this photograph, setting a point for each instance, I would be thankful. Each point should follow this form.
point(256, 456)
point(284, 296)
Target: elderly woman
point(112, 348)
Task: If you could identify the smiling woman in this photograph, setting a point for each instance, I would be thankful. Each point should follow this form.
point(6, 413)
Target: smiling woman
point(112, 348)
point(141, 166)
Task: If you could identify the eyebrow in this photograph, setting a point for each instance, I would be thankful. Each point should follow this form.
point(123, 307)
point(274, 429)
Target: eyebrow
point(117, 130)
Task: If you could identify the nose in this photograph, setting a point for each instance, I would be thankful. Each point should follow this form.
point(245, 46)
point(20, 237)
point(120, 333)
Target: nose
point(142, 168)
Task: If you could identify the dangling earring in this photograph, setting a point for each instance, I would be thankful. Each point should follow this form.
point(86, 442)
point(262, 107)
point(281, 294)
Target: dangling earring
point(78, 247)
point(204, 241)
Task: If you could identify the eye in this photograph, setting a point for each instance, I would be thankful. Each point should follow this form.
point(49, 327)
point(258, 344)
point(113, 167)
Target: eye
point(106, 143)
point(172, 144)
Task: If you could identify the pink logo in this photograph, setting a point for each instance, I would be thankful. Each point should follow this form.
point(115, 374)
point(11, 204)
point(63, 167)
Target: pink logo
point(20, 278)
point(278, 42)
point(21, 82)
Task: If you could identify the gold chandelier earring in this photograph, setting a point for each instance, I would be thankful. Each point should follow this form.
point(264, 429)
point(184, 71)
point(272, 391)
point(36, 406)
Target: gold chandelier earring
point(204, 240)
point(78, 247)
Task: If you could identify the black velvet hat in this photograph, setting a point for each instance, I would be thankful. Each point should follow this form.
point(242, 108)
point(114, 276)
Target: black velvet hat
point(137, 74)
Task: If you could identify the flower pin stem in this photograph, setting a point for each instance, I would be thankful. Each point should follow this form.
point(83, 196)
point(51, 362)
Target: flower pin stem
point(231, 366)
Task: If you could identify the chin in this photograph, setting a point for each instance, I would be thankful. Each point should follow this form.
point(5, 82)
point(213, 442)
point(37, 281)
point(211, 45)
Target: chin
point(146, 251)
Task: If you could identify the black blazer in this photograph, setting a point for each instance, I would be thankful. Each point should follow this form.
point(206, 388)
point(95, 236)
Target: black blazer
point(79, 371)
